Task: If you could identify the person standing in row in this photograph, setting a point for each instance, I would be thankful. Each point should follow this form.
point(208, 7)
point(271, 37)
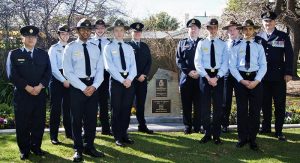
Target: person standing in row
point(59, 87)
point(119, 60)
point(100, 40)
point(211, 62)
point(29, 69)
point(83, 68)
point(143, 65)
point(248, 66)
point(279, 53)
point(233, 40)
point(189, 78)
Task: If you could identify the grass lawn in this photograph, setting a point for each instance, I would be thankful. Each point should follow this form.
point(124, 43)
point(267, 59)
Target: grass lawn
point(165, 147)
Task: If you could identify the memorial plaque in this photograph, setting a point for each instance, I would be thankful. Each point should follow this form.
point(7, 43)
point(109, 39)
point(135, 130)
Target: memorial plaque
point(161, 87)
point(161, 106)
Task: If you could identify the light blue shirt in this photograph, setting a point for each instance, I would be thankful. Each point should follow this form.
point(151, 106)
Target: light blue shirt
point(74, 64)
point(112, 60)
point(104, 41)
point(258, 61)
point(56, 55)
point(8, 61)
point(202, 56)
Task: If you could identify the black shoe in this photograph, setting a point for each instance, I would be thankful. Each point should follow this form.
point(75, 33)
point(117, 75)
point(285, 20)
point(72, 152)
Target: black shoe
point(264, 131)
point(225, 129)
point(280, 136)
point(128, 141)
point(109, 133)
point(77, 157)
point(69, 137)
point(55, 142)
point(241, 143)
point(217, 141)
point(205, 139)
point(93, 152)
point(38, 152)
point(145, 130)
point(253, 146)
point(24, 156)
point(120, 143)
point(187, 131)
point(202, 131)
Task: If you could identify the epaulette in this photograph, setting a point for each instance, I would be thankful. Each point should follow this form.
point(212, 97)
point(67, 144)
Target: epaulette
point(108, 39)
point(258, 39)
point(69, 44)
point(54, 45)
point(109, 42)
point(238, 42)
point(92, 43)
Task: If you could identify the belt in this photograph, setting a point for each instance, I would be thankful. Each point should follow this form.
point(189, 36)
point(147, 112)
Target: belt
point(212, 72)
point(248, 75)
point(124, 74)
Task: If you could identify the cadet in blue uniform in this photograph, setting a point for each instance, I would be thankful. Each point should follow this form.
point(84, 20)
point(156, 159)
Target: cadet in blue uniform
point(29, 70)
point(248, 66)
point(59, 87)
point(83, 68)
point(233, 40)
point(143, 65)
point(279, 53)
point(119, 61)
point(100, 40)
point(211, 62)
point(189, 77)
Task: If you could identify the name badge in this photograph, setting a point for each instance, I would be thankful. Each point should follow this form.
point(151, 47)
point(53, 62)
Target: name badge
point(114, 52)
point(77, 53)
point(21, 60)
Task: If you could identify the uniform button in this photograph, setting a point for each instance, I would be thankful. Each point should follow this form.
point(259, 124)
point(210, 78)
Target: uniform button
point(266, 53)
point(267, 48)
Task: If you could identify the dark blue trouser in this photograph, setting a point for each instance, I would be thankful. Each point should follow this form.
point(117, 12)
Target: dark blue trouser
point(229, 82)
point(83, 110)
point(274, 90)
point(140, 99)
point(30, 115)
point(60, 103)
point(121, 103)
point(190, 97)
point(103, 91)
point(212, 95)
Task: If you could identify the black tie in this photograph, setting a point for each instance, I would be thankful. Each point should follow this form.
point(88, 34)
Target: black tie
point(28, 53)
point(123, 63)
point(212, 55)
point(247, 59)
point(233, 42)
point(138, 44)
point(99, 45)
point(87, 61)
